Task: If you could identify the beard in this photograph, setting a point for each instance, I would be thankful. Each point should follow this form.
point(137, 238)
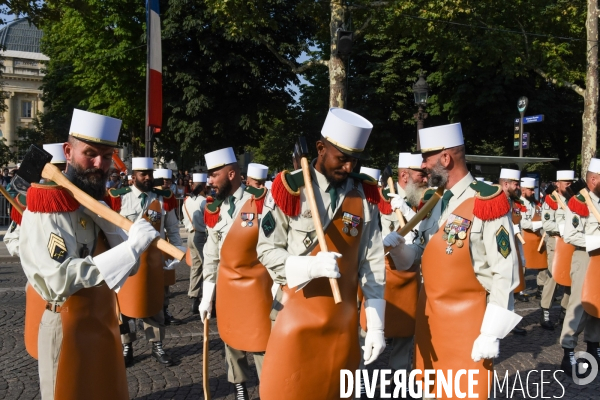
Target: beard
point(414, 191)
point(92, 181)
point(334, 180)
point(596, 190)
point(531, 198)
point(514, 193)
point(144, 186)
point(438, 175)
point(224, 190)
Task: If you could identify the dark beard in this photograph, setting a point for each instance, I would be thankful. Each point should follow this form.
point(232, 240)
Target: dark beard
point(332, 179)
point(531, 198)
point(438, 176)
point(86, 181)
point(144, 186)
point(224, 190)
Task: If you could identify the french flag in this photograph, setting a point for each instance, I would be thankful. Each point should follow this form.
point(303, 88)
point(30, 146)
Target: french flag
point(154, 67)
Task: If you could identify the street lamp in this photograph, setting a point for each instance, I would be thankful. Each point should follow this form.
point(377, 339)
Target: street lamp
point(421, 92)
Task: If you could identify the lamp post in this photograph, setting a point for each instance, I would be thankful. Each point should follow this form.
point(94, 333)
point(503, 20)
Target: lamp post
point(421, 92)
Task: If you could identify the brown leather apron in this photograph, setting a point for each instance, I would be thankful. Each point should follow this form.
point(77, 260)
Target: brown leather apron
point(534, 259)
point(90, 365)
point(244, 296)
point(516, 220)
point(142, 294)
point(35, 306)
point(561, 264)
point(451, 309)
point(401, 294)
point(590, 293)
point(313, 338)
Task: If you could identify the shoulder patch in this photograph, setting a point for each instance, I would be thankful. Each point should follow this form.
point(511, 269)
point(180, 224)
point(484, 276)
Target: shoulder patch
point(119, 192)
point(485, 191)
point(50, 199)
point(165, 193)
point(268, 224)
point(57, 248)
point(575, 221)
point(257, 193)
point(503, 242)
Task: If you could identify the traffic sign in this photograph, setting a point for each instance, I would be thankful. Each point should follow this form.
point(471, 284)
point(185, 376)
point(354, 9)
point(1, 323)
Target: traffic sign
point(526, 140)
point(533, 119)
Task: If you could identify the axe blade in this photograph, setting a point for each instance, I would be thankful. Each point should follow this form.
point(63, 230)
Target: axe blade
point(576, 187)
point(387, 173)
point(549, 189)
point(31, 168)
point(303, 146)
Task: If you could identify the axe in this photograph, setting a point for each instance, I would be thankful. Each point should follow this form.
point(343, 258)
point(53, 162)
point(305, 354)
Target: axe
point(36, 165)
point(11, 200)
point(580, 187)
point(551, 189)
point(205, 383)
point(387, 177)
point(301, 149)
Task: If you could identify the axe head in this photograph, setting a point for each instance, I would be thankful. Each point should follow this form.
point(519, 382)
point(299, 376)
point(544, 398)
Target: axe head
point(31, 168)
point(550, 188)
point(300, 150)
point(576, 187)
point(385, 174)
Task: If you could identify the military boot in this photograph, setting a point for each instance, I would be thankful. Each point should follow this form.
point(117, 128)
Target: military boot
point(568, 362)
point(545, 320)
point(169, 318)
point(159, 354)
point(241, 393)
point(128, 354)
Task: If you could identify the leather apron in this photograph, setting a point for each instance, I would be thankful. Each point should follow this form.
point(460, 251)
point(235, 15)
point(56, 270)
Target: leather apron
point(534, 259)
point(401, 294)
point(35, 306)
point(244, 298)
point(450, 311)
point(590, 294)
point(142, 294)
point(561, 264)
point(313, 338)
point(90, 364)
point(516, 220)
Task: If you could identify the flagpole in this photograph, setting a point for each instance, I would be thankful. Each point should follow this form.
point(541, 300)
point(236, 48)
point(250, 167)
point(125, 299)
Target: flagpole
point(148, 130)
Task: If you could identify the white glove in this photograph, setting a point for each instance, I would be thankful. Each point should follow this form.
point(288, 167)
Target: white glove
point(141, 234)
point(402, 255)
point(393, 239)
point(300, 270)
point(397, 202)
point(375, 340)
point(208, 291)
point(536, 225)
point(497, 323)
point(516, 228)
point(171, 264)
point(592, 243)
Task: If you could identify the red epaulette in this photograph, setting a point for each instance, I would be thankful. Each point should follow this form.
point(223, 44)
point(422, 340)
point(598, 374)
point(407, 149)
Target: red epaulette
point(286, 197)
point(113, 201)
point(50, 199)
point(259, 197)
point(385, 206)
point(549, 200)
point(578, 206)
point(490, 202)
point(211, 213)
point(371, 189)
point(169, 202)
point(14, 214)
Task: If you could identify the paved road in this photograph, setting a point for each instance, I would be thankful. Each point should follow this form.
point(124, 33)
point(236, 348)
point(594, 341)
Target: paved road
point(148, 380)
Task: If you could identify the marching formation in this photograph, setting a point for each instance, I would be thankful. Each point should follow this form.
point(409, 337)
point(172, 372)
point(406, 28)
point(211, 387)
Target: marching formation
point(309, 274)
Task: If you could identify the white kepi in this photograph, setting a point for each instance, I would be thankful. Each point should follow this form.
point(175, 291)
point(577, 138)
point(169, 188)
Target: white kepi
point(164, 173)
point(527, 182)
point(565, 175)
point(440, 137)
point(199, 178)
point(142, 163)
point(95, 128)
point(510, 174)
point(257, 171)
point(58, 154)
point(410, 161)
point(347, 131)
point(594, 166)
point(219, 158)
point(372, 172)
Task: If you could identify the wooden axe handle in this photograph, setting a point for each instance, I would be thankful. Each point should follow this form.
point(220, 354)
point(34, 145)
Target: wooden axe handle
point(205, 384)
point(52, 173)
point(518, 235)
point(541, 242)
point(310, 195)
point(390, 183)
point(561, 203)
point(11, 200)
point(590, 203)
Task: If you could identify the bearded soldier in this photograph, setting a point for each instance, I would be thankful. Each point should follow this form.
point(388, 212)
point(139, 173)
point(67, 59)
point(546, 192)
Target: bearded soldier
point(466, 251)
point(312, 337)
point(243, 285)
point(60, 244)
point(553, 222)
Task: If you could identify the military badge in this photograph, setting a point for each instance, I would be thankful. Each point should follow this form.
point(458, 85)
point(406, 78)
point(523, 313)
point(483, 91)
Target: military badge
point(503, 241)
point(575, 221)
point(82, 222)
point(547, 216)
point(57, 248)
point(307, 214)
point(247, 219)
point(350, 223)
point(268, 224)
point(307, 241)
point(152, 216)
point(455, 231)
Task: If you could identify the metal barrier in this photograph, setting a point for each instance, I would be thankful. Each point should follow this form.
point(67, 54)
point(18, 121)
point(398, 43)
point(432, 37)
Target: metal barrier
point(4, 211)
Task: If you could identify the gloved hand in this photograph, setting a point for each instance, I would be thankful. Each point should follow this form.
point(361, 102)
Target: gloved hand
point(497, 323)
point(208, 291)
point(516, 228)
point(402, 255)
point(141, 234)
point(393, 239)
point(536, 225)
point(375, 340)
point(302, 269)
point(398, 202)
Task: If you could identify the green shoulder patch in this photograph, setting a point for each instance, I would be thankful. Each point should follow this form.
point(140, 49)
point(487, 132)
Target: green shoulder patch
point(385, 193)
point(268, 224)
point(22, 199)
point(57, 248)
point(503, 241)
point(257, 193)
point(547, 216)
point(214, 206)
point(361, 177)
point(580, 197)
point(427, 195)
point(484, 190)
point(294, 180)
point(575, 221)
point(119, 192)
point(165, 193)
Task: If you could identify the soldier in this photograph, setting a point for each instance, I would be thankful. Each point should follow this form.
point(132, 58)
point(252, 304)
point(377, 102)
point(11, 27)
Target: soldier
point(243, 286)
point(580, 224)
point(257, 175)
point(133, 202)
point(193, 220)
point(59, 248)
point(467, 256)
point(301, 356)
point(553, 222)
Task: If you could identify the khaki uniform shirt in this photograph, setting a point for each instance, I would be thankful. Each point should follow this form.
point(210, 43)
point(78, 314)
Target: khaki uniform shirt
point(498, 275)
point(216, 236)
point(577, 227)
point(526, 221)
point(193, 207)
point(552, 219)
point(131, 208)
point(296, 236)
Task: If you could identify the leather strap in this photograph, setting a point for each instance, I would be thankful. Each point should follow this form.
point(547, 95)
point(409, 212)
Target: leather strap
point(190, 218)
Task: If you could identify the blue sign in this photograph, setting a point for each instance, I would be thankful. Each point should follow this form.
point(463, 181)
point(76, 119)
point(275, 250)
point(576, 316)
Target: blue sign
point(532, 119)
point(525, 140)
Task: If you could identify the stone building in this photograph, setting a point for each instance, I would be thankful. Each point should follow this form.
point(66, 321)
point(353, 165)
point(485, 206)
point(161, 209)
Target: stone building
point(21, 76)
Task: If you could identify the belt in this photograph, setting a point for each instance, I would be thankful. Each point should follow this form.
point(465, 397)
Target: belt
point(56, 307)
point(580, 248)
point(553, 234)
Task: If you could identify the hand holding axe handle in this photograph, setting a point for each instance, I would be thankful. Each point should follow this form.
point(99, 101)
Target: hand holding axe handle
point(310, 195)
point(36, 165)
point(580, 187)
point(205, 376)
point(551, 189)
point(390, 183)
